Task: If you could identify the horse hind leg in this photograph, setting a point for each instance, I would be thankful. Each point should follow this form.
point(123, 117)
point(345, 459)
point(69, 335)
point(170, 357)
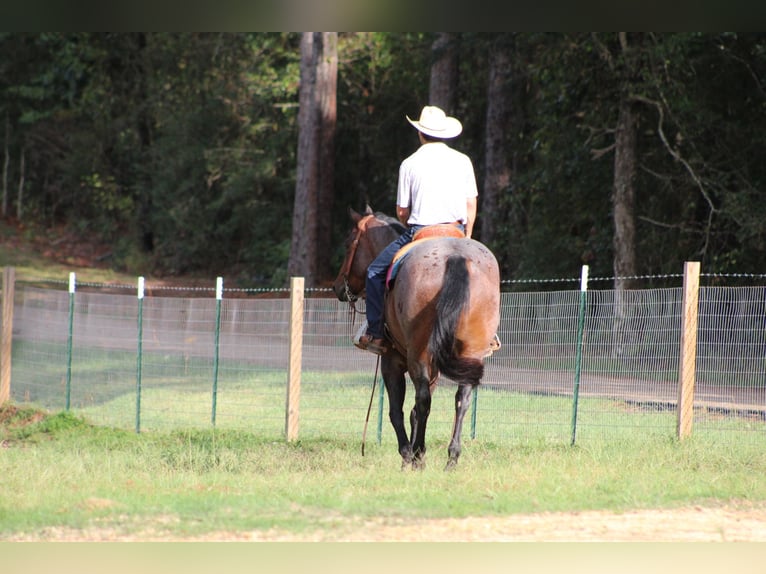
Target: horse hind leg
point(418, 422)
point(396, 386)
point(462, 400)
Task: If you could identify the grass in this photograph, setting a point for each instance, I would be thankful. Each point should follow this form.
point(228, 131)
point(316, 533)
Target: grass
point(59, 471)
point(31, 266)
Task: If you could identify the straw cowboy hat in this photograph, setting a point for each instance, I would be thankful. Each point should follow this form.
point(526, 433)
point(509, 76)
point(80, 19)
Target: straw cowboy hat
point(435, 123)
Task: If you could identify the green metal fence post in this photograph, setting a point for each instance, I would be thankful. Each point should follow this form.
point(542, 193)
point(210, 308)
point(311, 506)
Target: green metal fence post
point(69, 341)
point(218, 298)
point(578, 355)
point(139, 353)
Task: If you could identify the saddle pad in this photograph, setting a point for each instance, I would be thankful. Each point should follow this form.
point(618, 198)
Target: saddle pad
point(429, 232)
point(439, 230)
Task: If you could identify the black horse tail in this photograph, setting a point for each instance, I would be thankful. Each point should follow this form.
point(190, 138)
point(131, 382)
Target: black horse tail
point(443, 344)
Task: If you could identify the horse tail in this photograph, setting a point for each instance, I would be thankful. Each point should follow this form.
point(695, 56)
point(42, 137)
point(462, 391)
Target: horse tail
point(443, 344)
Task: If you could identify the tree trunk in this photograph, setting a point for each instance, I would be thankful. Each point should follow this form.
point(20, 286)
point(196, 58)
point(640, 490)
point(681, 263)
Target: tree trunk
point(314, 174)
point(327, 82)
point(20, 199)
point(6, 163)
point(444, 72)
point(497, 152)
point(144, 130)
point(623, 201)
point(624, 193)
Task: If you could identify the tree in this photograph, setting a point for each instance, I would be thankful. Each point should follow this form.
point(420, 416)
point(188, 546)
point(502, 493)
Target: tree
point(442, 88)
point(631, 153)
point(624, 190)
point(497, 151)
point(315, 159)
point(327, 76)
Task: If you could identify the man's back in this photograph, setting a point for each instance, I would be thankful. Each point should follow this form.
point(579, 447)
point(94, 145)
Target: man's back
point(435, 182)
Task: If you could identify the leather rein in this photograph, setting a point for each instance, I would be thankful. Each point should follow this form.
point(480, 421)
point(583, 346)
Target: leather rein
point(352, 297)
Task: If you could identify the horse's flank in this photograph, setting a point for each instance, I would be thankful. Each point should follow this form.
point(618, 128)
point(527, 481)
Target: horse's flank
point(413, 312)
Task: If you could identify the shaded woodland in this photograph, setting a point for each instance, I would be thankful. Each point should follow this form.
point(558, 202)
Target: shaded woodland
point(240, 153)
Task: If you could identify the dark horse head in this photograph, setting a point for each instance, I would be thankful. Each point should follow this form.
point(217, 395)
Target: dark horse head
point(371, 233)
point(441, 315)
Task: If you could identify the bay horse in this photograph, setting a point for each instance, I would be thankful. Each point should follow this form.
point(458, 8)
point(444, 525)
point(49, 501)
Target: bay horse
point(441, 317)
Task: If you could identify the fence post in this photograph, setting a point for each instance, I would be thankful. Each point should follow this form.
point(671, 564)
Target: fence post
point(6, 335)
point(688, 355)
point(474, 408)
point(72, 281)
point(295, 351)
point(218, 297)
point(578, 352)
point(139, 351)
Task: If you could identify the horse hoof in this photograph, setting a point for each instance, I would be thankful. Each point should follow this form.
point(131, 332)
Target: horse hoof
point(451, 464)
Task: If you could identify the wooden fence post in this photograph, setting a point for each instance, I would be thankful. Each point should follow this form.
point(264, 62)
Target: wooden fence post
point(295, 351)
point(6, 333)
point(688, 355)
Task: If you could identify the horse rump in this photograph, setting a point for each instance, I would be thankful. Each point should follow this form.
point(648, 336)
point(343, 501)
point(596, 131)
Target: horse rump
point(443, 344)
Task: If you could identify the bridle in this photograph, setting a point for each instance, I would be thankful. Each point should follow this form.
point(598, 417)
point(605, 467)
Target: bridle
point(361, 226)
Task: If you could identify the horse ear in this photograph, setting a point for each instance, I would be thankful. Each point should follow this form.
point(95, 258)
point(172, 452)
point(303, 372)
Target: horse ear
point(355, 216)
point(368, 209)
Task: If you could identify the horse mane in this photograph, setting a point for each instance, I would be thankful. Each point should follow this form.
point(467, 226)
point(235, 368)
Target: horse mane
point(391, 222)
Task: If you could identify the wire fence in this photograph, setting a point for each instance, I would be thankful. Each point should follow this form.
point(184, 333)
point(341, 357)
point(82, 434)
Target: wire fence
point(603, 364)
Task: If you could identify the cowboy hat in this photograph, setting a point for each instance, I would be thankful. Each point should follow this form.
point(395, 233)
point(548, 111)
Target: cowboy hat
point(435, 123)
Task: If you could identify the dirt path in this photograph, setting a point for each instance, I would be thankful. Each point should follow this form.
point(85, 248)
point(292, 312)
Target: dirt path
point(695, 524)
point(725, 524)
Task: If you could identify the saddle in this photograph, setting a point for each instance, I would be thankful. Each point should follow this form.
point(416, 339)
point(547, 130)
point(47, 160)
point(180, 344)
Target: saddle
point(428, 232)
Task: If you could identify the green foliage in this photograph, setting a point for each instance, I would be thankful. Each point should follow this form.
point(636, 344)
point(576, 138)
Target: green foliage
point(180, 148)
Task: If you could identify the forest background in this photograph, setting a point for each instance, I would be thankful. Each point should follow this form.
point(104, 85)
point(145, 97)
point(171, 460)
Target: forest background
point(239, 154)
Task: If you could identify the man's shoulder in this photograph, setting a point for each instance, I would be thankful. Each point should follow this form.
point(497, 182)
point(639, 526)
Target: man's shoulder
point(427, 154)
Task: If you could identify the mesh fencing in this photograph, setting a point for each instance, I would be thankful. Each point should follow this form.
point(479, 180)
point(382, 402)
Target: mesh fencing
point(616, 381)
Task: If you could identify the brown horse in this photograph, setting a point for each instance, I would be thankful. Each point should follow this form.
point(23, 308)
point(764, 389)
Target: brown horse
point(441, 316)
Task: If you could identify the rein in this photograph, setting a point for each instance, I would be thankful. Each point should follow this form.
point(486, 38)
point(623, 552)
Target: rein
point(369, 407)
point(351, 297)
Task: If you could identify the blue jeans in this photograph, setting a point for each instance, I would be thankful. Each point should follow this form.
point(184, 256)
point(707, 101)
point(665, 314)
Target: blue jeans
point(375, 283)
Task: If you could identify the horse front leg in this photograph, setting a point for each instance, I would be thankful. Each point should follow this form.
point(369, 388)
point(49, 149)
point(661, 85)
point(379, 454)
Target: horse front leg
point(462, 400)
point(396, 387)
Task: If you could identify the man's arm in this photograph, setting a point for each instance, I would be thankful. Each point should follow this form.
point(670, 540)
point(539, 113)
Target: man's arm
point(471, 208)
point(402, 214)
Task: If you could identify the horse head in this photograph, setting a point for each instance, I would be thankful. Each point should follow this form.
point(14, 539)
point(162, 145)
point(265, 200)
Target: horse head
point(371, 233)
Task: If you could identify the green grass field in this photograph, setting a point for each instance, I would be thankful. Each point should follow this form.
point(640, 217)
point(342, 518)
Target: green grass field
point(88, 472)
point(61, 472)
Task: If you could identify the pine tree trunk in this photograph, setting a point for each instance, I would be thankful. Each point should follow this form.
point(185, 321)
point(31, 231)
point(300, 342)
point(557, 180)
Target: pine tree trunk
point(20, 198)
point(624, 196)
point(623, 203)
point(302, 249)
point(6, 164)
point(497, 168)
point(327, 82)
point(444, 72)
point(315, 169)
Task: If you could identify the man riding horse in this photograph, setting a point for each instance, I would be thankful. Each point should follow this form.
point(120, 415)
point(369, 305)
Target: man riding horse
point(437, 185)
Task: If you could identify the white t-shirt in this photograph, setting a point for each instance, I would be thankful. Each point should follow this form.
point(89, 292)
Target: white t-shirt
point(435, 182)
